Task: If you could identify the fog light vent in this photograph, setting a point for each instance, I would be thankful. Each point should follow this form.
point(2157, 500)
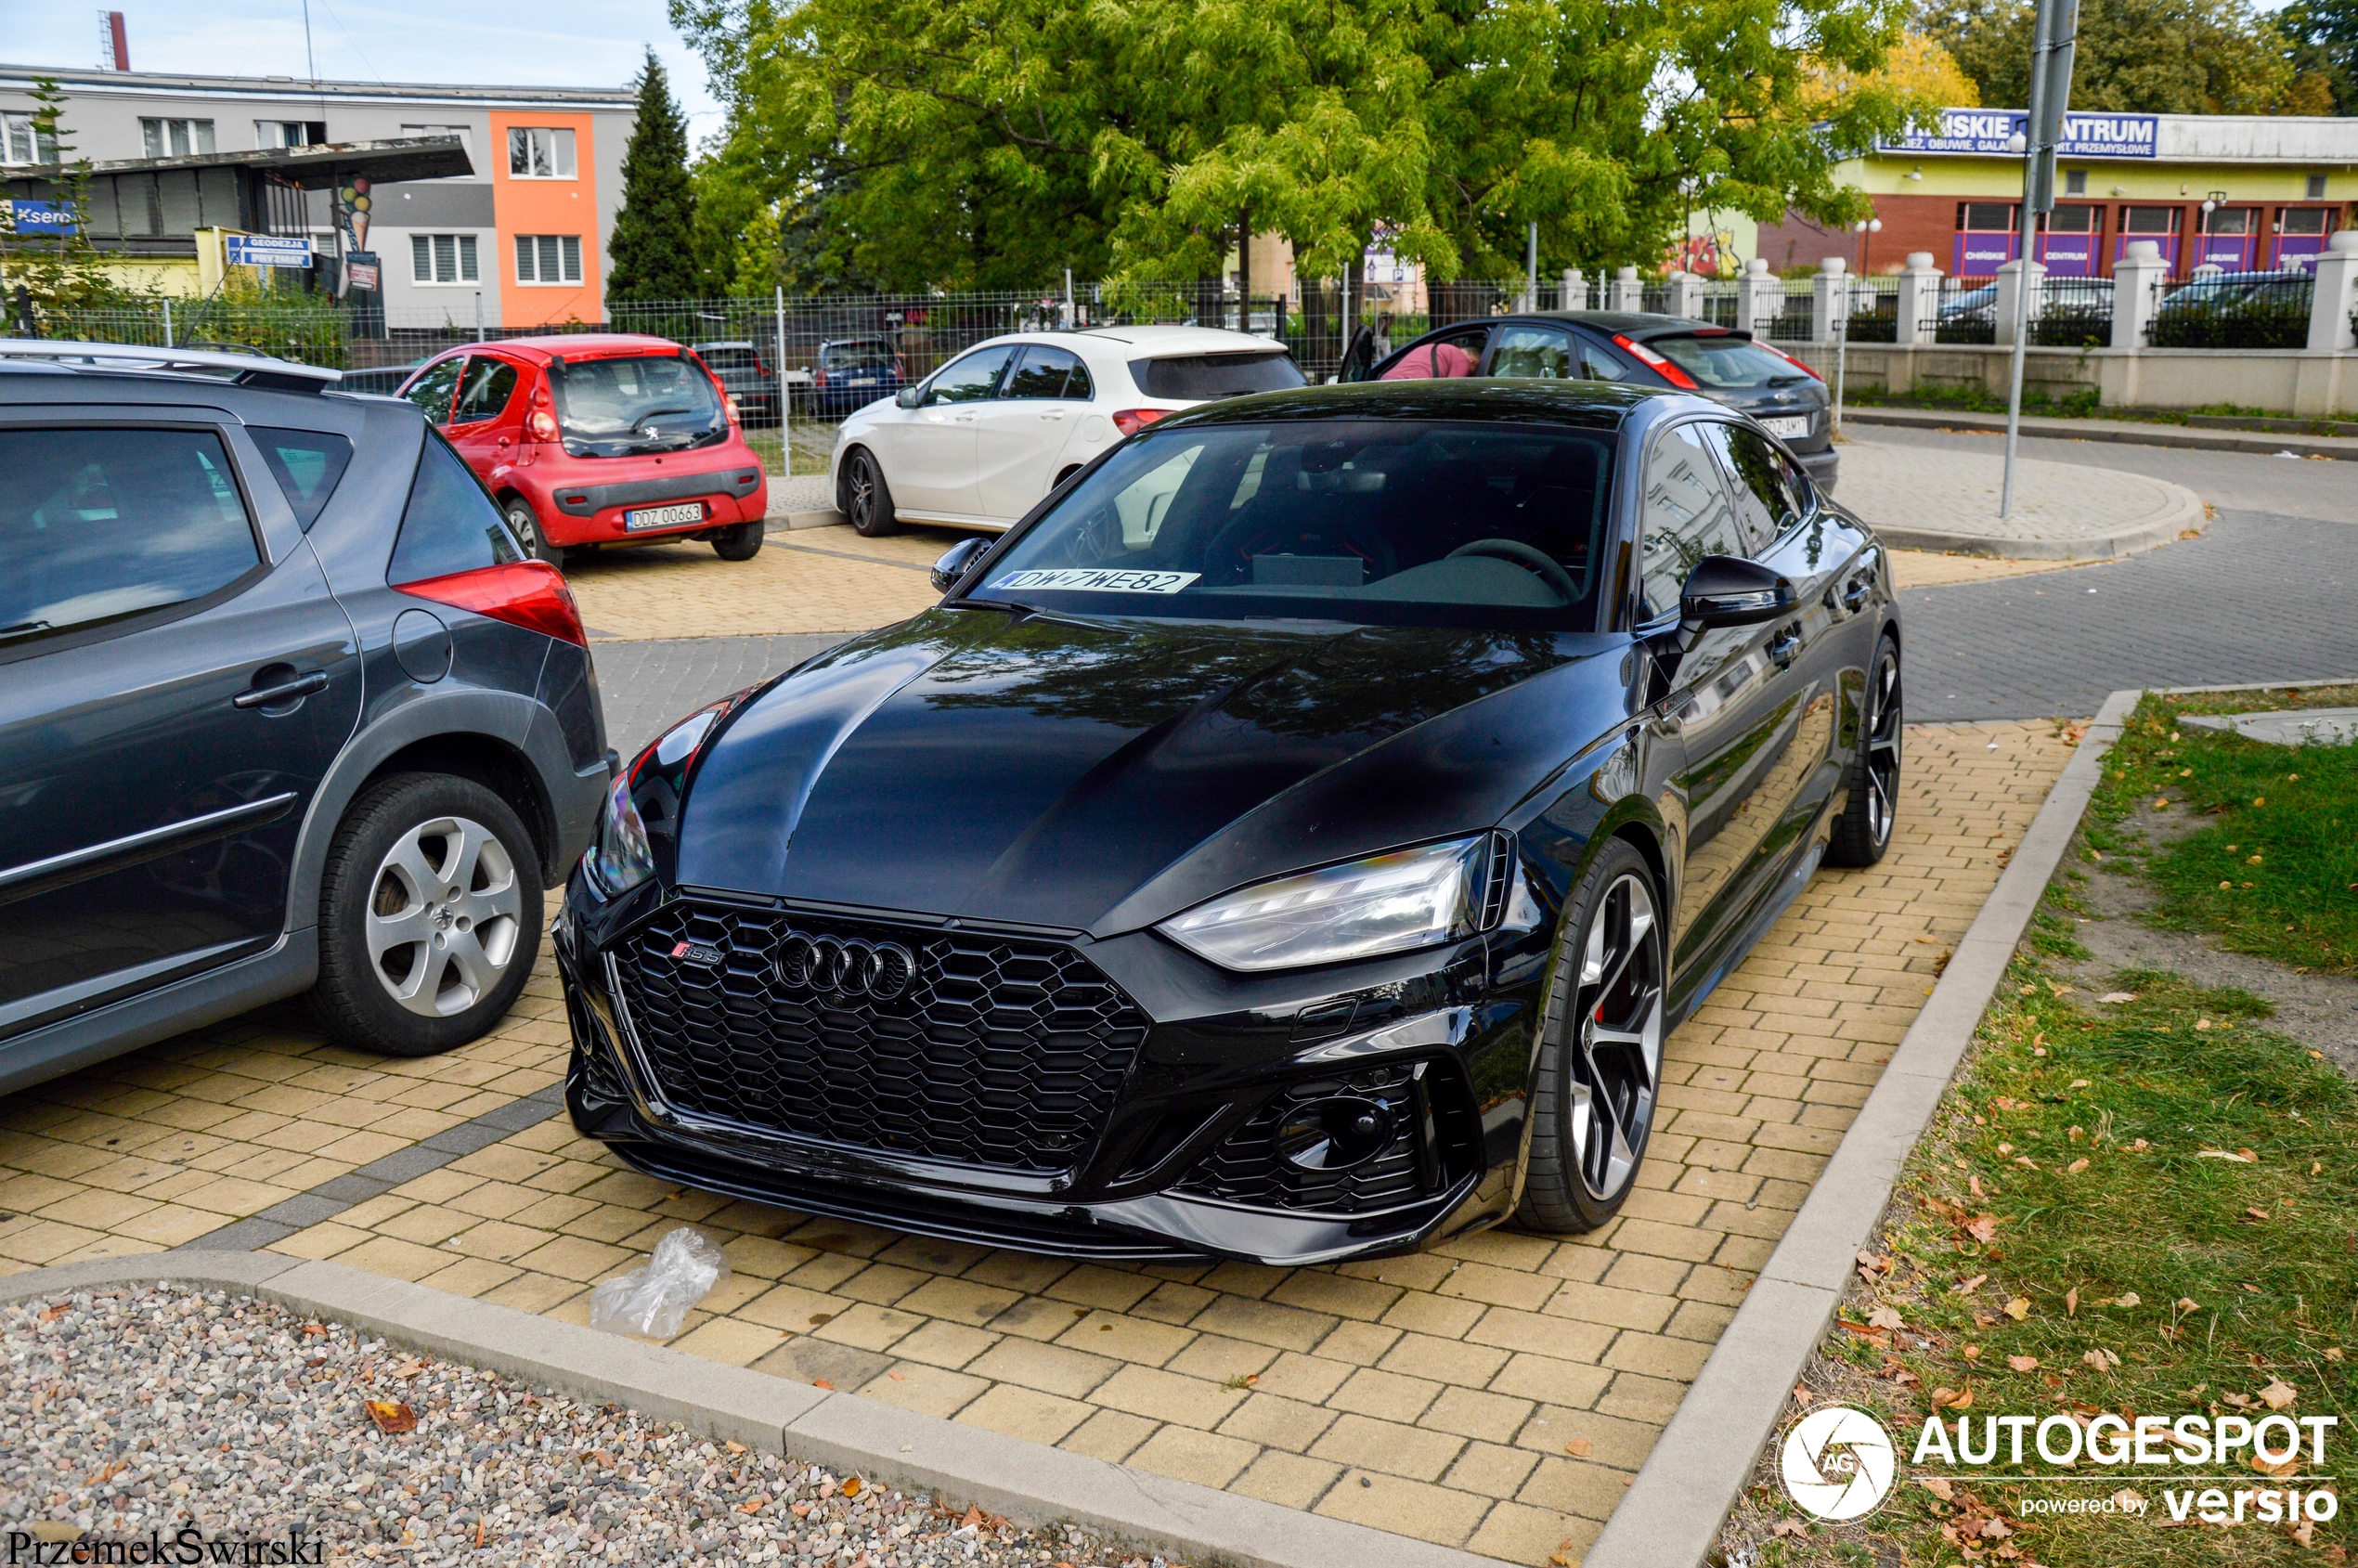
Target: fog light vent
point(1334, 1134)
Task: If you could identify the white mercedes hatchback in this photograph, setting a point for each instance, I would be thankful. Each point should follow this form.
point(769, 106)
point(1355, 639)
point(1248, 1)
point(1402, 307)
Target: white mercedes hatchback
point(980, 441)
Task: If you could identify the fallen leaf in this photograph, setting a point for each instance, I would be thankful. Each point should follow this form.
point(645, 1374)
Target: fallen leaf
point(1886, 1318)
point(2278, 1393)
point(2019, 1308)
point(2023, 1363)
point(1982, 1227)
point(2127, 1298)
point(1802, 1393)
point(2187, 1304)
point(851, 1487)
point(2071, 1302)
point(974, 1516)
point(2128, 1497)
point(2290, 1467)
point(1995, 1529)
point(2257, 1213)
point(896, 1377)
point(1971, 1353)
point(315, 1329)
point(1938, 1486)
point(1952, 1399)
point(2202, 1023)
point(1789, 1527)
point(2241, 1157)
point(1580, 1447)
point(392, 1416)
point(821, 1382)
point(2102, 1360)
point(752, 1505)
point(735, 1446)
point(800, 1510)
point(1560, 1560)
point(2112, 997)
point(407, 1370)
point(2076, 1167)
point(1970, 1286)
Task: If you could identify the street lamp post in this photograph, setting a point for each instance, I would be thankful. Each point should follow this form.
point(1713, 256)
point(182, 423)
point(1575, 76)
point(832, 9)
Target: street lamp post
point(2055, 38)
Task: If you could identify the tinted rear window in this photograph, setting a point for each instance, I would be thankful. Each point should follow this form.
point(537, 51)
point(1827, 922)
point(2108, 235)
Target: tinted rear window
point(1215, 375)
point(450, 524)
point(306, 463)
point(857, 356)
point(1728, 362)
point(729, 358)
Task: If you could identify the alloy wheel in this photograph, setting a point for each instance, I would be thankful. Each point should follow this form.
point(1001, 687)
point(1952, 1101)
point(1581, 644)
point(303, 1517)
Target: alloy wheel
point(442, 923)
point(1616, 1057)
point(862, 486)
point(1882, 731)
point(526, 527)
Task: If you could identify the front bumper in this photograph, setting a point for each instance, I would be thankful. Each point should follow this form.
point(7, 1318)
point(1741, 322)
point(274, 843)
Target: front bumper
point(1180, 1161)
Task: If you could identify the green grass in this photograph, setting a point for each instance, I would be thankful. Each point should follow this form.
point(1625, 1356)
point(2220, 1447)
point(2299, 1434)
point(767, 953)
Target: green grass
point(2081, 405)
point(2274, 872)
point(2074, 1145)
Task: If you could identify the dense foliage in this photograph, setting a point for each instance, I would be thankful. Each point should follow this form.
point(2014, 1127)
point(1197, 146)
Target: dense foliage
point(2149, 57)
point(651, 254)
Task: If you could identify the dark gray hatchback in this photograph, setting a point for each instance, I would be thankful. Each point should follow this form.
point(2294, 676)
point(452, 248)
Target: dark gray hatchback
point(1725, 364)
point(283, 709)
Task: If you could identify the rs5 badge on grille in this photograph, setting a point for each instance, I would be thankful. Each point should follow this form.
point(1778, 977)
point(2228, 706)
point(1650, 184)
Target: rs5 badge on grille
point(697, 953)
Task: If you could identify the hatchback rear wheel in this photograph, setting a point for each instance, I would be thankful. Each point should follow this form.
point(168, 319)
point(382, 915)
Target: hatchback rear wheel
point(525, 523)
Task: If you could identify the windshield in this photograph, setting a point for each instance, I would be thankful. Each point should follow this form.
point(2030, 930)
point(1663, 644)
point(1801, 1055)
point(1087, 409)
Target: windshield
point(1728, 362)
point(1215, 375)
point(1391, 522)
point(642, 403)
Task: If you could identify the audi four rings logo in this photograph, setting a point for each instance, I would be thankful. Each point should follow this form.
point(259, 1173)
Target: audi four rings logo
point(845, 965)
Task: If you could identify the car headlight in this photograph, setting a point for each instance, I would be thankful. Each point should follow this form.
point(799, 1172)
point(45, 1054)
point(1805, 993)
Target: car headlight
point(622, 858)
point(1387, 903)
point(624, 854)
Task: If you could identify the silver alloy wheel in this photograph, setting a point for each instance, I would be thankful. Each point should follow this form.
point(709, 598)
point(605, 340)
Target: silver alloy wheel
point(1614, 1063)
point(861, 483)
point(525, 525)
point(443, 916)
point(1881, 744)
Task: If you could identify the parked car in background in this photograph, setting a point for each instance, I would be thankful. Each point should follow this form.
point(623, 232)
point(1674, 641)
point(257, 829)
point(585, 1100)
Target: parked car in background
point(1727, 365)
point(744, 375)
point(850, 373)
point(1294, 841)
point(380, 379)
point(597, 439)
point(283, 710)
point(2235, 310)
point(982, 440)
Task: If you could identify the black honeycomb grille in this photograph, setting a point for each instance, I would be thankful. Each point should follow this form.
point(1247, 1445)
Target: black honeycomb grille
point(996, 1051)
point(1245, 1167)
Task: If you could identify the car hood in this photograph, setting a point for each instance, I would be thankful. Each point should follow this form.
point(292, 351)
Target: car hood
point(1103, 775)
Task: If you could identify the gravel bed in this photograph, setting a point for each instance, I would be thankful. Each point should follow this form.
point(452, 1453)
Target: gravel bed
point(127, 1411)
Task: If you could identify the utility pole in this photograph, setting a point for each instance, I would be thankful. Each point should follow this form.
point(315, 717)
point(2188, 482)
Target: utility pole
point(1531, 267)
point(2056, 36)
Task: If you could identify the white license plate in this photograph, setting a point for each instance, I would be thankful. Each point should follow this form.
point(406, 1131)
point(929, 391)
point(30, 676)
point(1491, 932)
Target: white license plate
point(662, 516)
point(1788, 425)
point(860, 381)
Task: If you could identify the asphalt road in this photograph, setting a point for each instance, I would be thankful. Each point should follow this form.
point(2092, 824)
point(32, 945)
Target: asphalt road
point(2266, 594)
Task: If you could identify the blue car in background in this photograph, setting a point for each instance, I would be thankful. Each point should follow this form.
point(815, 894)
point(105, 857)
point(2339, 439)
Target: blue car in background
point(850, 373)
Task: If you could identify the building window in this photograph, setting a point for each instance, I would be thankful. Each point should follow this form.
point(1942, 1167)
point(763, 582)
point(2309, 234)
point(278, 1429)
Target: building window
point(2317, 187)
point(2073, 220)
point(176, 138)
point(537, 152)
point(442, 258)
point(289, 132)
point(2075, 181)
point(2232, 220)
point(2302, 220)
point(21, 143)
point(464, 133)
point(2151, 220)
point(548, 258)
point(1985, 217)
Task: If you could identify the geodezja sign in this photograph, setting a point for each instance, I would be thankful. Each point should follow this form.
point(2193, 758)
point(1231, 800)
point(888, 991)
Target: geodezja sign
point(266, 250)
point(1986, 131)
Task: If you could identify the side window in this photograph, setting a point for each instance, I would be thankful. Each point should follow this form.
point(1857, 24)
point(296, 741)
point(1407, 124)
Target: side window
point(1047, 373)
point(971, 379)
point(449, 523)
point(306, 463)
point(484, 393)
point(1598, 365)
point(98, 525)
point(1544, 352)
point(1768, 499)
point(432, 392)
point(1685, 516)
point(1451, 354)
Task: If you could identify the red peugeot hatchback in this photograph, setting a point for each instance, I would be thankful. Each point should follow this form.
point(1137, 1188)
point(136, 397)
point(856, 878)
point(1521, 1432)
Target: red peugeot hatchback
point(589, 440)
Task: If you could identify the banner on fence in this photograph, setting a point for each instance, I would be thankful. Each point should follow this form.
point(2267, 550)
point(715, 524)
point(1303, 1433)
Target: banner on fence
point(1986, 131)
point(39, 217)
point(266, 250)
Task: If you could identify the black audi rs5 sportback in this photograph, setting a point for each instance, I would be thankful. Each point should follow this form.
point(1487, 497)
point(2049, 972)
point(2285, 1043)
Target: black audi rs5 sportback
point(1293, 840)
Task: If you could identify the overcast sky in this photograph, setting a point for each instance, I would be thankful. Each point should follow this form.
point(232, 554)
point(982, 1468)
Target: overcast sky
point(540, 43)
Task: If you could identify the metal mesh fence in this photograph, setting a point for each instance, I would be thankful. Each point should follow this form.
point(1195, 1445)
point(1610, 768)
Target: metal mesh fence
point(1966, 311)
point(2074, 313)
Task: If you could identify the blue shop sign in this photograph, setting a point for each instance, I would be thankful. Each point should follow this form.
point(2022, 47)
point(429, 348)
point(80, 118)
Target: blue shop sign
point(1985, 131)
point(266, 250)
point(40, 217)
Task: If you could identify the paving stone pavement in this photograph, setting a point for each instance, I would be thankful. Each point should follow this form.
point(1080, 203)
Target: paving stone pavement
point(1934, 490)
point(1495, 1392)
point(2257, 598)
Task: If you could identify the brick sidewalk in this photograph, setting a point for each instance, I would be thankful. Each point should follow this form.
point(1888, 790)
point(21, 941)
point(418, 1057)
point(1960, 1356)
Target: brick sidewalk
point(806, 581)
point(1495, 1393)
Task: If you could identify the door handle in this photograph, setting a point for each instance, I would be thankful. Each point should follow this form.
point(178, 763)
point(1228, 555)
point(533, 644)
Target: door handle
point(1784, 648)
point(1052, 413)
point(963, 419)
point(285, 691)
point(1855, 597)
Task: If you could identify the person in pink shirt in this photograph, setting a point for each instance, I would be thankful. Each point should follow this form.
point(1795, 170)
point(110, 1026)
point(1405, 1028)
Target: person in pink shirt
point(1430, 361)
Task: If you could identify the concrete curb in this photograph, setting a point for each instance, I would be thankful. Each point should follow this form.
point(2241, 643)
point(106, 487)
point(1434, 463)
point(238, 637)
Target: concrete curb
point(1671, 1515)
point(2186, 510)
point(2121, 433)
point(1029, 1482)
point(821, 517)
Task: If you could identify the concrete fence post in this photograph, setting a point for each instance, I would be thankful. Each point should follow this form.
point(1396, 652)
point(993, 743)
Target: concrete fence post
point(1918, 303)
point(1829, 301)
point(2335, 296)
point(1760, 297)
point(2136, 289)
point(2010, 282)
point(1685, 295)
point(1629, 293)
point(1576, 295)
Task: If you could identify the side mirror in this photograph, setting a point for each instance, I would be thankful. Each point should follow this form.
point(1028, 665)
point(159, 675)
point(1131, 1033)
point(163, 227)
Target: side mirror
point(1731, 591)
point(955, 562)
point(910, 396)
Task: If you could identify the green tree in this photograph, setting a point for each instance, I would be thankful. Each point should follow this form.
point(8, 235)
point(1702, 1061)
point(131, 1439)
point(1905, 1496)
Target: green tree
point(57, 272)
point(2325, 49)
point(2144, 56)
point(652, 254)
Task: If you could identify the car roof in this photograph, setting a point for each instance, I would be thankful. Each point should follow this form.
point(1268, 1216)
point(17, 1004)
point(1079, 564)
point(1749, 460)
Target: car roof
point(724, 343)
point(1636, 326)
point(1155, 341)
point(1581, 405)
point(579, 345)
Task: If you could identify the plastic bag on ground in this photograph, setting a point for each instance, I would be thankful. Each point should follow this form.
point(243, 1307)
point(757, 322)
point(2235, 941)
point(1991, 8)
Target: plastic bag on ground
point(654, 1299)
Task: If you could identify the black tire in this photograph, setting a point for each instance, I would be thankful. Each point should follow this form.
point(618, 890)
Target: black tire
point(740, 543)
point(403, 861)
point(1863, 831)
point(525, 523)
point(866, 498)
point(1594, 1093)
